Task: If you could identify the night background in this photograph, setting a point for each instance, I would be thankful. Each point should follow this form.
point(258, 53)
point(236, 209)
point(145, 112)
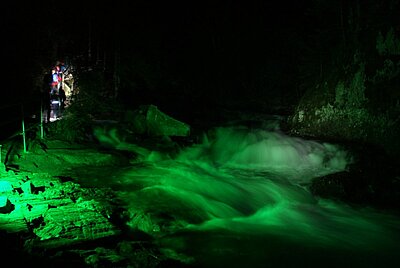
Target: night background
point(197, 59)
point(309, 90)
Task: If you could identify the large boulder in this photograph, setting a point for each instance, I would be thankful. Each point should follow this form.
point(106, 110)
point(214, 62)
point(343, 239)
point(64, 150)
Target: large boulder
point(149, 120)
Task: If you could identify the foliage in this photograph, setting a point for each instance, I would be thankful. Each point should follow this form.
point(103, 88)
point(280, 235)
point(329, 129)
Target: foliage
point(388, 45)
point(73, 127)
point(388, 71)
point(352, 93)
point(94, 96)
point(340, 94)
point(90, 101)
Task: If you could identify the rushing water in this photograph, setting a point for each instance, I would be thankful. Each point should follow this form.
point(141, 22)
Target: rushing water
point(240, 199)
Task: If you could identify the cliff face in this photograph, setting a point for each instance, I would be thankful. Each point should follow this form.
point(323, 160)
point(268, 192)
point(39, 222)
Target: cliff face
point(358, 101)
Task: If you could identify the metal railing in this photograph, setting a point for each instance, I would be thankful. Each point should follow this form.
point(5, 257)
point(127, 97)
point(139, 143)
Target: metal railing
point(13, 118)
point(29, 109)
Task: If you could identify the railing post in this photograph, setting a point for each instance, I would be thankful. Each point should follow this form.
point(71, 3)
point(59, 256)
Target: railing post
point(23, 127)
point(41, 119)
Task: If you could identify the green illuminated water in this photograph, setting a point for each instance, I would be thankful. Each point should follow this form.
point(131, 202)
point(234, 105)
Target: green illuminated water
point(240, 199)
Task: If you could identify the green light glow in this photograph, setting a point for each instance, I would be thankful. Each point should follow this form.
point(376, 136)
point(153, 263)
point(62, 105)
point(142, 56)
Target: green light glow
point(253, 183)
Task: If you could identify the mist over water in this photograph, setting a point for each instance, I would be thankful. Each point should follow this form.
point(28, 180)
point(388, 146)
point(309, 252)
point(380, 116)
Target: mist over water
point(296, 159)
point(252, 185)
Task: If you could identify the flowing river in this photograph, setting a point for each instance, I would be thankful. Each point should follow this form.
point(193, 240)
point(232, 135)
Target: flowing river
point(240, 198)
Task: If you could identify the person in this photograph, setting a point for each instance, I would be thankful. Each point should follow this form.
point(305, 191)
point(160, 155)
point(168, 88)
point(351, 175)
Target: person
point(54, 82)
point(59, 76)
point(63, 67)
point(54, 94)
point(55, 104)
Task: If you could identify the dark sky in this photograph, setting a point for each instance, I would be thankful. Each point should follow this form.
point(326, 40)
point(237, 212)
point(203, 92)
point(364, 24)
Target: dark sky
point(229, 47)
point(178, 24)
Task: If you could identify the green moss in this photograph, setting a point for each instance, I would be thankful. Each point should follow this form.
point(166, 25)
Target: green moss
point(348, 124)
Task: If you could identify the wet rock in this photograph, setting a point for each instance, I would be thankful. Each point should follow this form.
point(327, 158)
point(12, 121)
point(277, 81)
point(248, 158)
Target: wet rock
point(51, 213)
point(27, 187)
point(5, 186)
point(142, 221)
point(343, 186)
point(2, 167)
point(13, 223)
point(373, 179)
point(72, 224)
point(149, 120)
point(5, 205)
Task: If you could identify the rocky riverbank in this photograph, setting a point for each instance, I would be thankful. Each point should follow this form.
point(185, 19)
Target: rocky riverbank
point(50, 219)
